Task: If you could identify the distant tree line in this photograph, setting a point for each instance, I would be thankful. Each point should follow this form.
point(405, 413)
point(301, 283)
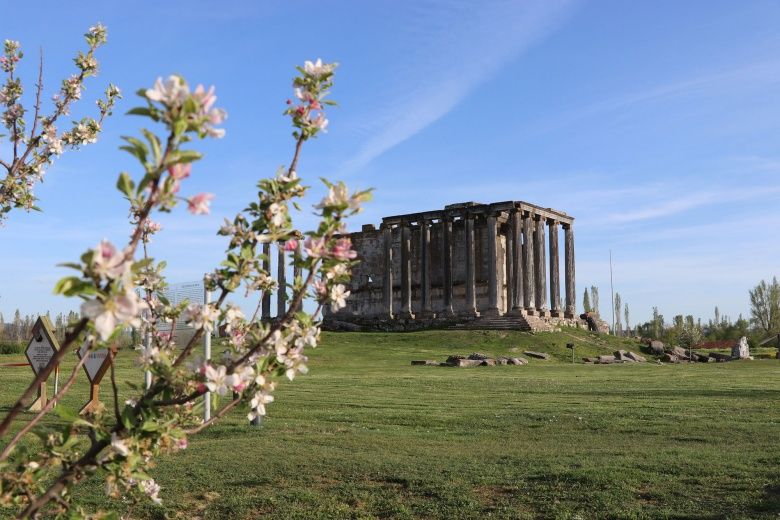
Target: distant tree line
point(764, 321)
point(19, 328)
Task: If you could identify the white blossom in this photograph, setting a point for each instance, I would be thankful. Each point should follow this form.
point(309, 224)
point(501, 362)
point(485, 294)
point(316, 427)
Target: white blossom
point(338, 297)
point(118, 445)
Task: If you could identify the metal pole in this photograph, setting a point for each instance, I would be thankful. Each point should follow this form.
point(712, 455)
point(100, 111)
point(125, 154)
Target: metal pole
point(56, 382)
point(612, 290)
point(207, 357)
point(147, 345)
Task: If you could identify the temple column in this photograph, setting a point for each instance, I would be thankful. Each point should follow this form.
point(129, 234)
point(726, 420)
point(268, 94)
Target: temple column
point(517, 264)
point(281, 277)
point(406, 272)
point(509, 268)
point(492, 256)
point(541, 267)
point(387, 282)
point(528, 265)
point(425, 269)
point(555, 278)
point(446, 261)
point(471, 278)
point(571, 306)
point(266, 265)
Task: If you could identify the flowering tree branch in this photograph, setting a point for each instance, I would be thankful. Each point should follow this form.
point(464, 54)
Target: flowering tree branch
point(259, 354)
point(32, 153)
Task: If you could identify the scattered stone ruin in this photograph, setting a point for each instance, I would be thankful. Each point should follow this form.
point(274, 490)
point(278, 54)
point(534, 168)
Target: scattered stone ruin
point(468, 265)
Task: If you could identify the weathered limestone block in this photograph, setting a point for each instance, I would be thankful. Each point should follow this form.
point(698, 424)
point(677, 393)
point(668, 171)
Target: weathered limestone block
point(425, 362)
point(606, 360)
point(537, 355)
point(469, 362)
point(670, 358)
point(741, 350)
point(487, 362)
point(636, 357)
point(657, 347)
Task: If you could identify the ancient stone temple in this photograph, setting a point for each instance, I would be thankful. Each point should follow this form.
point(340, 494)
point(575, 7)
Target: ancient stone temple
point(467, 265)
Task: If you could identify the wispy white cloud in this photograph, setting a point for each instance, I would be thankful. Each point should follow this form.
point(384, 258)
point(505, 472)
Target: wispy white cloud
point(681, 204)
point(741, 78)
point(457, 46)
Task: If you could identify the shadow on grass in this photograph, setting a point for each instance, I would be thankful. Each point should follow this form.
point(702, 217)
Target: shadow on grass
point(770, 501)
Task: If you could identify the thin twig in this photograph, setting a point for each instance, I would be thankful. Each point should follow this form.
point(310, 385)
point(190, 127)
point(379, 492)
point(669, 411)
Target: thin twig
point(37, 97)
point(215, 417)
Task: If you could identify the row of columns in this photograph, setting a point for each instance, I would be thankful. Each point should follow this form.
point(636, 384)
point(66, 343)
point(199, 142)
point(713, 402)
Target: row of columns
point(281, 278)
point(525, 266)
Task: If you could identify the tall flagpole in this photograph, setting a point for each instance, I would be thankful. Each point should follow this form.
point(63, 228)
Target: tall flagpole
point(612, 290)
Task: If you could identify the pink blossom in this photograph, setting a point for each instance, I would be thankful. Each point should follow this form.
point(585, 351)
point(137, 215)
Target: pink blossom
point(107, 262)
point(318, 68)
point(320, 287)
point(180, 171)
point(213, 116)
point(150, 226)
point(320, 122)
point(342, 250)
point(315, 247)
point(171, 93)
point(121, 309)
point(199, 204)
point(206, 98)
point(291, 245)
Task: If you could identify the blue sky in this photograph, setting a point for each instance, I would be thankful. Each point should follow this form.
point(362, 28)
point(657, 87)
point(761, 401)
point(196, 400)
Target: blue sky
point(655, 124)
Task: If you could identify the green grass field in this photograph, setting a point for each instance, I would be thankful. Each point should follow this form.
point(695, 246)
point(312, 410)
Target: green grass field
point(366, 435)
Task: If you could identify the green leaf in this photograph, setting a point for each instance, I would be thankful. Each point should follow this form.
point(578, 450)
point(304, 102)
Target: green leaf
point(185, 156)
point(139, 111)
point(71, 265)
point(125, 184)
point(154, 141)
point(67, 284)
point(74, 286)
point(179, 127)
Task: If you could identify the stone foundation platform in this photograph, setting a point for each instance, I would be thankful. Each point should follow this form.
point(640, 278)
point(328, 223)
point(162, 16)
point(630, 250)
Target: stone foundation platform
point(521, 323)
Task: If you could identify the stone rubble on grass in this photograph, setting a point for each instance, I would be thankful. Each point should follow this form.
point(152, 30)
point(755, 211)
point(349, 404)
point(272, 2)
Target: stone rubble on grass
point(537, 355)
point(473, 360)
point(619, 356)
point(657, 347)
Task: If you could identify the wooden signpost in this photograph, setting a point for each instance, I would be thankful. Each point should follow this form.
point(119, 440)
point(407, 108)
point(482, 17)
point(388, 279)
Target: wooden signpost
point(39, 352)
point(96, 365)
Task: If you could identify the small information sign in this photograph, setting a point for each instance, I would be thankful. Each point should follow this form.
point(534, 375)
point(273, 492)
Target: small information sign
point(40, 350)
point(97, 363)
